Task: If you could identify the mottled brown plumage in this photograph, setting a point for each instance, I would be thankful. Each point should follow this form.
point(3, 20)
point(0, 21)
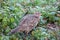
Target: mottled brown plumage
point(27, 23)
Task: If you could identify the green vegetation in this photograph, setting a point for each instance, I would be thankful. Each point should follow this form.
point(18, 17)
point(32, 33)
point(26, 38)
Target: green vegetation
point(11, 11)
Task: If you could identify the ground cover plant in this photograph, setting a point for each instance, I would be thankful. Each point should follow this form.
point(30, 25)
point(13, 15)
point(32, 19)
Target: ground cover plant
point(11, 12)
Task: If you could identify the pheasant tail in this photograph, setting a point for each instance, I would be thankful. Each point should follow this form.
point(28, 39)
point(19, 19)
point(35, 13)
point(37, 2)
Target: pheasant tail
point(13, 31)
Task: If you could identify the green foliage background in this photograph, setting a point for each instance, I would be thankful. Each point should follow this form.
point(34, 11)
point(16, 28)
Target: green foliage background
point(11, 11)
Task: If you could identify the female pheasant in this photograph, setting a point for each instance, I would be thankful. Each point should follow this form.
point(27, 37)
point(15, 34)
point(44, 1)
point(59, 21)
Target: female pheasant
point(27, 23)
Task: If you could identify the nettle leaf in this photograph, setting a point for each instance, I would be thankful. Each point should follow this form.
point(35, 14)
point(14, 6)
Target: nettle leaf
point(12, 8)
point(5, 38)
point(7, 30)
point(13, 37)
point(12, 20)
point(43, 21)
point(56, 18)
point(1, 16)
point(53, 13)
point(44, 14)
point(4, 21)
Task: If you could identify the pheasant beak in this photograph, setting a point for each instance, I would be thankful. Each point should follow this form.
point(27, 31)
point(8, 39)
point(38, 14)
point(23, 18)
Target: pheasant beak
point(37, 14)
